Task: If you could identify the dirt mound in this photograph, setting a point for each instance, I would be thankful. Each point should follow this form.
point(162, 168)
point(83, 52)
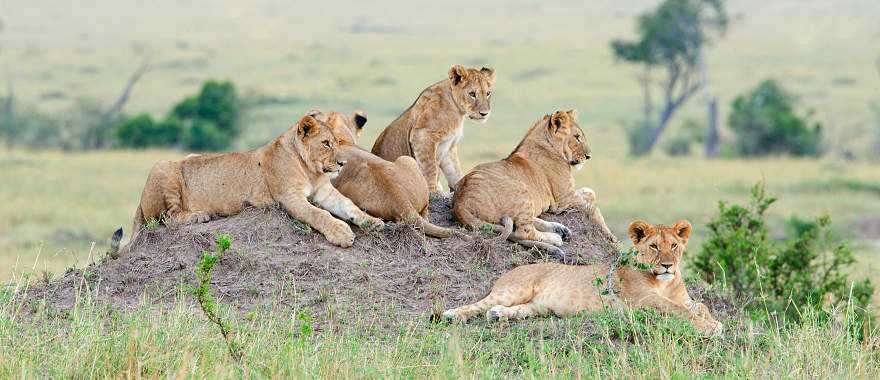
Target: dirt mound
point(275, 259)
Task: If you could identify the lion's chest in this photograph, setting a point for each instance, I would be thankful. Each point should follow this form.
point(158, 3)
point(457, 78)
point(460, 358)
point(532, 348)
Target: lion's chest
point(446, 144)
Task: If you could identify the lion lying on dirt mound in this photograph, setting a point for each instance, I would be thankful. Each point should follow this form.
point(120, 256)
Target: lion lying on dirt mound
point(431, 129)
point(394, 191)
point(534, 179)
point(541, 289)
point(289, 170)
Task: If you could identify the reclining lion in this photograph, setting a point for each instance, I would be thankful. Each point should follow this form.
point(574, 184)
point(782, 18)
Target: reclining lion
point(289, 170)
point(534, 179)
point(394, 191)
point(431, 128)
point(550, 288)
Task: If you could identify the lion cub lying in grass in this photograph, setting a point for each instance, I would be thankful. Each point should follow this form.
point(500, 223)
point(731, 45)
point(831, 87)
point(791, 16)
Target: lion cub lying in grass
point(550, 288)
point(289, 170)
point(534, 179)
point(393, 191)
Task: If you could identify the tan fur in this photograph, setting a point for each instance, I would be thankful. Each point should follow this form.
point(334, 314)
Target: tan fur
point(550, 288)
point(292, 168)
point(394, 191)
point(431, 129)
point(534, 179)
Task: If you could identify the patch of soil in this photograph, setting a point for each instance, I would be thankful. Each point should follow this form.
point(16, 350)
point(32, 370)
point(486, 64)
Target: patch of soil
point(273, 260)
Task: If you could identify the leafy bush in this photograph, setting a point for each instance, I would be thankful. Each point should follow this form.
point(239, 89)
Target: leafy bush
point(806, 269)
point(765, 123)
point(142, 132)
point(206, 121)
point(202, 135)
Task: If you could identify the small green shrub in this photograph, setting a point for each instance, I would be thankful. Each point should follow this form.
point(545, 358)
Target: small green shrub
point(807, 269)
point(764, 122)
point(204, 135)
point(206, 301)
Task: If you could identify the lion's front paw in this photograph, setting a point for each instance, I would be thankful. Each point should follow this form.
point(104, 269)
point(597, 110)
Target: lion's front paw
point(372, 224)
point(562, 231)
point(496, 313)
point(452, 316)
point(340, 234)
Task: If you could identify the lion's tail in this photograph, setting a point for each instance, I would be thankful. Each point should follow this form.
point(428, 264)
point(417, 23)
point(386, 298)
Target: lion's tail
point(434, 230)
point(114, 244)
point(468, 219)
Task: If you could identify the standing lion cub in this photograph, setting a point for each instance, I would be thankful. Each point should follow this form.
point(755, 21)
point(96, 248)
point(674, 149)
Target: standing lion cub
point(534, 179)
point(431, 129)
point(290, 170)
point(550, 288)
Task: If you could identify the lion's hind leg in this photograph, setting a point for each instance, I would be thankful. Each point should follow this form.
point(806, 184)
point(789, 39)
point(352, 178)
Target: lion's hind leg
point(506, 297)
point(522, 311)
point(557, 228)
point(529, 236)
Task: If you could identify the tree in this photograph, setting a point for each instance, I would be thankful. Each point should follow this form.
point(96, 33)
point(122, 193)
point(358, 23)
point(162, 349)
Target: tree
point(764, 122)
point(671, 40)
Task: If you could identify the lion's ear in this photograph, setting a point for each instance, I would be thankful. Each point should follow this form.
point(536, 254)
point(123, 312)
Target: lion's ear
point(489, 73)
point(572, 113)
point(307, 126)
point(682, 229)
point(315, 113)
point(457, 74)
point(559, 122)
point(360, 119)
point(639, 230)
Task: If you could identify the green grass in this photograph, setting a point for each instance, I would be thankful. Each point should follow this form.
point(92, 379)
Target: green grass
point(92, 341)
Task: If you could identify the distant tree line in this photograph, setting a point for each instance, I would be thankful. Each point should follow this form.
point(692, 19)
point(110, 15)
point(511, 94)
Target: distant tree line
point(207, 121)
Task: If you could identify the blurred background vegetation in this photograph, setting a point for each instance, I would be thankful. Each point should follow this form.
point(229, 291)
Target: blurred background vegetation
point(685, 102)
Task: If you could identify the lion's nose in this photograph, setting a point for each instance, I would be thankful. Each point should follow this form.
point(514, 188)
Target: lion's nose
point(341, 163)
point(587, 157)
point(484, 114)
point(666, 265)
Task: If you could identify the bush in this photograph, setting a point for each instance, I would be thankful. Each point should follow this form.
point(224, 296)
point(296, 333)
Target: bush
point(764, 123)
point(203, 135)
point(681, 143)
point(142, 132)
point(807, 269)
point(639, 137)
point(203, 122)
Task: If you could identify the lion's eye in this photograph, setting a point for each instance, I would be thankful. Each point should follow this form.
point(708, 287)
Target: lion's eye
point(488, 93)
point(654, 247)
point(473, 94)
point(674, 246)
point(326, 144)
point(578, 138)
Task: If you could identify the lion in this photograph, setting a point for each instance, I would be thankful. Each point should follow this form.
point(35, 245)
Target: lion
point(292, 169)
point(394, 191)
point(535, 178)
point(552, 288)
point(432, 127)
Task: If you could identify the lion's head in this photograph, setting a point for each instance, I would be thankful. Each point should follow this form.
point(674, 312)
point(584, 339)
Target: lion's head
point(347, 128)
point(560, 133)
point(472, 91)
point(660, 246)
point(317, 146)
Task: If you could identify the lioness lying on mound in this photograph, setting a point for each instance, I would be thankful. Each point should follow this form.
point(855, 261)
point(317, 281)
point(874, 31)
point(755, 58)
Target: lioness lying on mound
point(431, 128)
point(541, 289)
point(393, 191)
point(289, 170)
point(534, 179)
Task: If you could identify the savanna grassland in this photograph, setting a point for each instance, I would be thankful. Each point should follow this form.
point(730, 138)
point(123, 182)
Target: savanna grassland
point(289, 58)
